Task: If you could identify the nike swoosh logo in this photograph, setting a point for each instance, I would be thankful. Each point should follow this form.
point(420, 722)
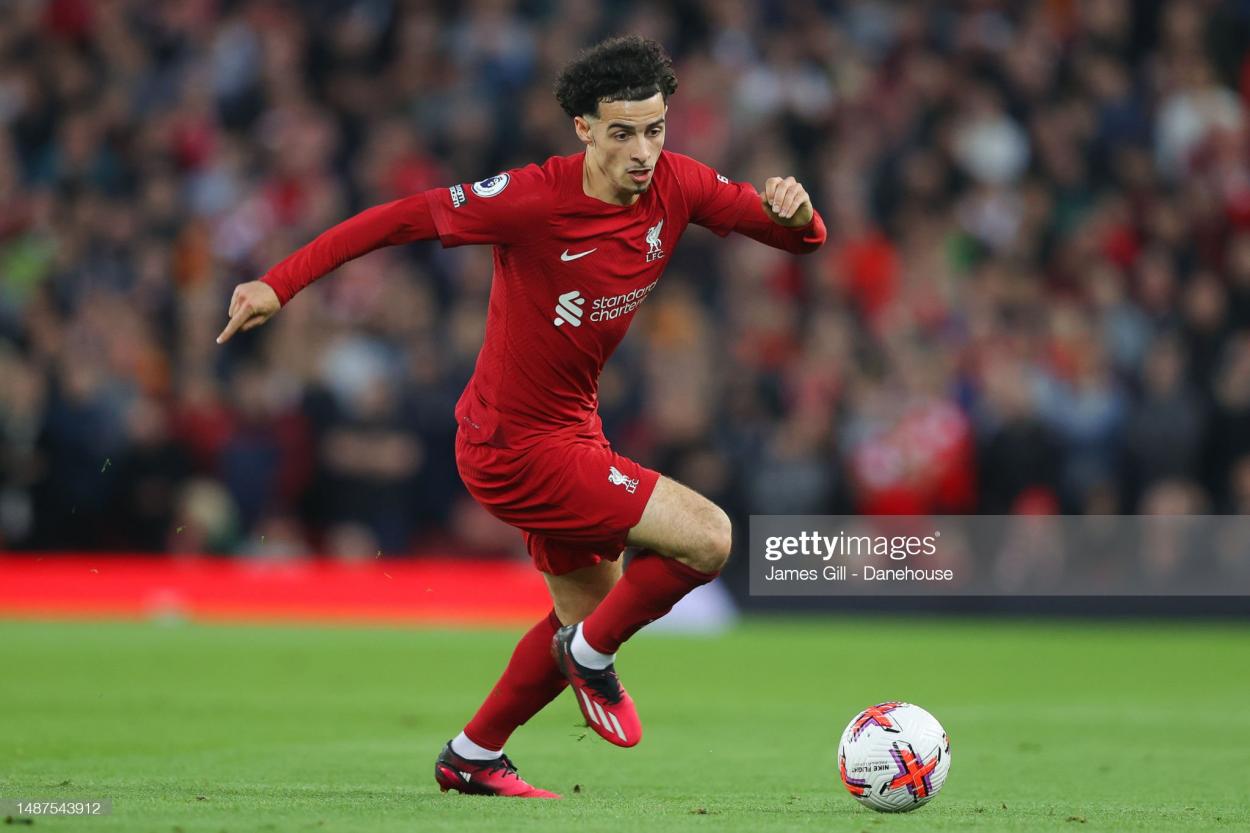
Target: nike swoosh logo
point(567, 257)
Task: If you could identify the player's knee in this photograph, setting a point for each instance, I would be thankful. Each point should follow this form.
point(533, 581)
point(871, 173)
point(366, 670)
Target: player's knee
point(717, 542)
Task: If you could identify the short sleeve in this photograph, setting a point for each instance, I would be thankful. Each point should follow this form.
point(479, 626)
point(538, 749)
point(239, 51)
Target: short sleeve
point(504, 209)
point(715, 202)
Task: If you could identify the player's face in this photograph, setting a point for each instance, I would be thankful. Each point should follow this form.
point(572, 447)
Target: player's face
point(624, 142)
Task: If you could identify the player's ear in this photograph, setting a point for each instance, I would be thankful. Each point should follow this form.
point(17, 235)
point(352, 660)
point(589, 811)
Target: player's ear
point(582, 126)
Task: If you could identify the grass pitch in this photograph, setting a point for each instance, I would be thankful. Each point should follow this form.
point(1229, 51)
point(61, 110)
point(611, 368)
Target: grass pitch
point(1054, 726)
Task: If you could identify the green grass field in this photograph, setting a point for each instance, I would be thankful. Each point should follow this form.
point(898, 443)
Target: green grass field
point(1054, 726)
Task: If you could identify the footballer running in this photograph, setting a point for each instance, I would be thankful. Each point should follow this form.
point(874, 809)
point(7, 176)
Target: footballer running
point(579, 243)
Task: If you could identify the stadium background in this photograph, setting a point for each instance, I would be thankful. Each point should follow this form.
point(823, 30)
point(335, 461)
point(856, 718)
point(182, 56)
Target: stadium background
point(1036, 298)
point(1036, 295)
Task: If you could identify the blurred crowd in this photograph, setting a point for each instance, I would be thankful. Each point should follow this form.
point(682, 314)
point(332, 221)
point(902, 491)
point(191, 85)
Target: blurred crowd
point(1035, 297)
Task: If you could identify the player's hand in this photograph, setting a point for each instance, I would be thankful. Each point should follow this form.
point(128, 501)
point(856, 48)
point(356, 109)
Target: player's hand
point(252, 304)
point(786, 202)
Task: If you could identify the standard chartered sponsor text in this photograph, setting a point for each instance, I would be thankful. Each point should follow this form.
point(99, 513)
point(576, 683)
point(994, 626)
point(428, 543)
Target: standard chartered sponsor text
point(614, 306)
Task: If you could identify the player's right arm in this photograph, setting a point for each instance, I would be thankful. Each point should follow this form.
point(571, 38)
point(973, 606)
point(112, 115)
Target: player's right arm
point(501, 210)
point(402, 221)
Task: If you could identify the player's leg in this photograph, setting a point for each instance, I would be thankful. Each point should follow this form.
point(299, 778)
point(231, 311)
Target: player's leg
point(604, 703)
point(577, 593)
point(474, 761)
point(686, 540)
point(682, 524)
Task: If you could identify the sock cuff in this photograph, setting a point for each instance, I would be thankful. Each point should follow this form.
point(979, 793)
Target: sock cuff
point(606, 655)
point(593, 646)
point(472, 739)
point(677, 568)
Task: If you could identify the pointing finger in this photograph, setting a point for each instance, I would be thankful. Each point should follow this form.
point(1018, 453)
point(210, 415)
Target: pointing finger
point(233, 327)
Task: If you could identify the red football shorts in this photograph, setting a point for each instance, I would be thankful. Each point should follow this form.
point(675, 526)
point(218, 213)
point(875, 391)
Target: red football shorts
point(573, 497)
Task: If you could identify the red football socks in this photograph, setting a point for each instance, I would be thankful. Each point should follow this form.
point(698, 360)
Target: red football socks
point(648, 589)
point(529, 683)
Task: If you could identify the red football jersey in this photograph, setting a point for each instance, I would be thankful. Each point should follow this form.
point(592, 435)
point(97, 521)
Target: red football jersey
point(570, 272)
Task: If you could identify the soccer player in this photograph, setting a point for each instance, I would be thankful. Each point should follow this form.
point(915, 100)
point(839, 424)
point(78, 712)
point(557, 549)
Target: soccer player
point(579, 243)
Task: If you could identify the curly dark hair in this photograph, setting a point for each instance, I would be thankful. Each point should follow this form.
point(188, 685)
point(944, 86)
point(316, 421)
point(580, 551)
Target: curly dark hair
point(630, 68)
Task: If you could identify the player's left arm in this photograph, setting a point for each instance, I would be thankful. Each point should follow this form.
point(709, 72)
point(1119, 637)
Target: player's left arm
point(786, 202)
point(783, 218)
